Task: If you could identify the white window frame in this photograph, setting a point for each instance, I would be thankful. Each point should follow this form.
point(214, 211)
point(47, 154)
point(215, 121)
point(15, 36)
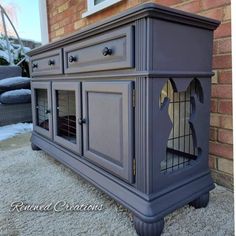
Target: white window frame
point(92, 8)
point(43, 21)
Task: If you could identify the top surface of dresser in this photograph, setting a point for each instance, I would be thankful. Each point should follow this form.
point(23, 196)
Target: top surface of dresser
point(160, 38)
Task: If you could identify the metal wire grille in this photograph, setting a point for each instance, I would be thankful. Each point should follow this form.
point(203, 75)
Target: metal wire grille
point(42, 108)
point(66, 115)
point(180, 149)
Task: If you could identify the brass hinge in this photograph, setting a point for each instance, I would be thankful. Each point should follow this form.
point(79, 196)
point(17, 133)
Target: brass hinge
point(134, 167)
point(133, 97)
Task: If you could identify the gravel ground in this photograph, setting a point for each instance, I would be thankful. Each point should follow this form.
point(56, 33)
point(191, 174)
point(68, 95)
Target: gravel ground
point(35, 178)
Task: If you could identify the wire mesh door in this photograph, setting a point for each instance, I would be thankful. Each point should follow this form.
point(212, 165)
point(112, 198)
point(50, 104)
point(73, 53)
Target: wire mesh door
point(66, 115)
point(66, 112)
point(181, 150)
point(41, 106)
point(42, 110)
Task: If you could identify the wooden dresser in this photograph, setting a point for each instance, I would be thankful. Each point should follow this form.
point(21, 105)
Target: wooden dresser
point(126, 104)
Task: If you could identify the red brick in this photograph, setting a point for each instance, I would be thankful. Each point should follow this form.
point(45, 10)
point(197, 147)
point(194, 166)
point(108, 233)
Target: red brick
point(225, 106)
point(215, 120)
point(52, 34)
point(222, 62)
point(223, 30)
point(227, 12)
point(66, 21)
point(225, 136)
point(54, 27)
point(226, 122)
point(73, 3)
point(215, 47)
point(59, 2)
point(221, 91)
point(214, 105)
point(193, 6)
point(60, 16)
point(222, 150)
point(212, 162)
point(207, 4)
point(69, 28)
point(213, 134)
point(166, 2)
point(52, 21)
point(225, 77)
point(216, 13)
point(224, 45)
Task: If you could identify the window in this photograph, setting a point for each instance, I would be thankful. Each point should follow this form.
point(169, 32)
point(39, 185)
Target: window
point(94, 6)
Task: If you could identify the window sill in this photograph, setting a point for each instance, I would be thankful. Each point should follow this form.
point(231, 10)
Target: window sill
point(100, 7)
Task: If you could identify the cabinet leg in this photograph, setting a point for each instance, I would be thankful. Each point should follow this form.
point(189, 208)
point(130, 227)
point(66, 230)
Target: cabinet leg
point(201, 201)
point(34, 147)
point(148, 229)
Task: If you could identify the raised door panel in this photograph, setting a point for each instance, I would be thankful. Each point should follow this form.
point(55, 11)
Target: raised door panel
point(66, 113)
point(108, 127)
point(42, 108)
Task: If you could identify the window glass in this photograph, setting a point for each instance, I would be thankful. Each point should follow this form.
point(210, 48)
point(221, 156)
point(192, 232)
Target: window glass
point(98, 1)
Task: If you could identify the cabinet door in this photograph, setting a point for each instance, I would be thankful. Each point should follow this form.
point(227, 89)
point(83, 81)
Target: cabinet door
point(108, 126)
point(66, 113)
point(41, 107)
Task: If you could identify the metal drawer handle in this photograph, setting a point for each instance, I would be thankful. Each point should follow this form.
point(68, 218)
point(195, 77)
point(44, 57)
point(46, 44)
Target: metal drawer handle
point(47, 111)
point(106, 51)
point(51, 62)
point(72, 59)
point(82, 121)
point(35, 65)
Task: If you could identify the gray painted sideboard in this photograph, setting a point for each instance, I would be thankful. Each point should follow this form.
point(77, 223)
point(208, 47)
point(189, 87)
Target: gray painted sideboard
point(126, 104)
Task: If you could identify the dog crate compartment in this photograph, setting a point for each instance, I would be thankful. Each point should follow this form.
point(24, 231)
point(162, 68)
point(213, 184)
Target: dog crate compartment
point(181, 150)
point(66, 112)
point(42, 108)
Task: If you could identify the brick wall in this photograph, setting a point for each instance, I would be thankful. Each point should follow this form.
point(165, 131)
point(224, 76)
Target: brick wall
point(64, 17)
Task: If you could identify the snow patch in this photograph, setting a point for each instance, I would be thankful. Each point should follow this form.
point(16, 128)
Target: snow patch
point(10, 131)
point(14, 81)
point(18, 92)
point(4, 55)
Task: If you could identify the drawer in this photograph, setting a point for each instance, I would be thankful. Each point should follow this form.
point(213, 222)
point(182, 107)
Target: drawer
point(49, 63)
point(113, 50)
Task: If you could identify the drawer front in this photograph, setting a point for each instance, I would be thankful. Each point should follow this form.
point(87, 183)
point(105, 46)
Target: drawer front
point(49, 63)
point(113, 50)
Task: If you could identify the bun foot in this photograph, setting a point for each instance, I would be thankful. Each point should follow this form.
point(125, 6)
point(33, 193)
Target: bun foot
point(34, 147)
point(148, 229)
point(201, 201)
